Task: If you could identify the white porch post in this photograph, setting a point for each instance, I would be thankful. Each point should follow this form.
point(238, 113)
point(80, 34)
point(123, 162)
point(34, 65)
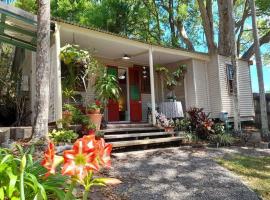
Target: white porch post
point(152, 84)
point(58, 102)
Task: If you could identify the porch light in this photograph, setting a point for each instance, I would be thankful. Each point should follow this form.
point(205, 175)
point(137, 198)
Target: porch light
point(122, 77)
point(126, 57)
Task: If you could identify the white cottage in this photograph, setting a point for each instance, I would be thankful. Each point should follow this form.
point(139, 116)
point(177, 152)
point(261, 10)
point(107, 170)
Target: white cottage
point(207, 83)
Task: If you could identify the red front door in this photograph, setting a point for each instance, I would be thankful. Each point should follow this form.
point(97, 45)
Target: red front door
point(135, 94)
point(113, 106)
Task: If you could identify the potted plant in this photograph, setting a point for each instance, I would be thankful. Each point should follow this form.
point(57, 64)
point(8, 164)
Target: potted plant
point(94, 115)
point(171, 83)
point(171, 98)
point(106, 88)
point(161, 70)
point(66, 118)
point(93, 108)
point(179, 73)
point(167, 124)
point(63, 137)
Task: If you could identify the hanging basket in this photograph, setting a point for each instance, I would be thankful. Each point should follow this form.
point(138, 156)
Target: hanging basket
point(179, 78)
point(170, 87)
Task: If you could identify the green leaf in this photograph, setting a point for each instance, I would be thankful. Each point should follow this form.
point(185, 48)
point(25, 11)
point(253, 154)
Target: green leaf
point(107, 181)
point(6, 158)
point(20, 149)
point(23, 163)
point(12, 182)
point(42, 191)
point(29, 159)
point(2, 195)
point(15, 198)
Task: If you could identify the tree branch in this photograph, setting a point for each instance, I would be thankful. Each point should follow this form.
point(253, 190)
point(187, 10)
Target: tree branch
point(207, 19)
point(241, 26)
point(263, 40)
point(182, 32)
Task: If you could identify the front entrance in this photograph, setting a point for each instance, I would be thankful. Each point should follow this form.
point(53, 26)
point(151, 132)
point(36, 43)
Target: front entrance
point(128, 108)
point(135, 94)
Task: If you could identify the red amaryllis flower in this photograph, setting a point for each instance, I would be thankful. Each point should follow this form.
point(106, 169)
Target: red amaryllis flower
point(81, 159)
point(103, 151)
point(49, 159)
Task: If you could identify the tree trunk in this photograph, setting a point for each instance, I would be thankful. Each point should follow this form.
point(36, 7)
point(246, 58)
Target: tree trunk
point(264, 121)
point(170, 10)
point(233, 52)
point(41, 109)
point(224, 43)
point(156, 14)
point(183, 34)
point(207, 21)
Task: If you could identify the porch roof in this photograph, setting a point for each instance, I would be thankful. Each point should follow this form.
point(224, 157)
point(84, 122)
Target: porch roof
point(17, 27)
point(112, 46)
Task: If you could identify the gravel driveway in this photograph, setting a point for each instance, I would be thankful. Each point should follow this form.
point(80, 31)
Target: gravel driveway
point(177, 173)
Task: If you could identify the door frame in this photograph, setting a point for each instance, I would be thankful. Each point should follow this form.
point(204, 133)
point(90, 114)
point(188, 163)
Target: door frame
point(128, 97)
point(128, 93)
point(136, 67)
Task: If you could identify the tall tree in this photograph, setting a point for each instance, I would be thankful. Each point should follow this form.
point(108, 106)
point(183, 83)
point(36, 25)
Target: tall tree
point(233, 54)
point(41, 108)
point(264, 121)
point(208, 24)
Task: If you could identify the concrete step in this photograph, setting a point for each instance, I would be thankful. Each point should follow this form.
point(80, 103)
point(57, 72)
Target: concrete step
point(137, 135)
point(128, 125)
point(146, 141)
point(131, 129)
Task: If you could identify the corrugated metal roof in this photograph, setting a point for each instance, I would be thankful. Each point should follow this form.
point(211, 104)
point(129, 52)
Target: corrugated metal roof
point(57, 19)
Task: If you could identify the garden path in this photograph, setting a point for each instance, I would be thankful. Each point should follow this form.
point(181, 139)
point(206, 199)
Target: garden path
point(179, 173)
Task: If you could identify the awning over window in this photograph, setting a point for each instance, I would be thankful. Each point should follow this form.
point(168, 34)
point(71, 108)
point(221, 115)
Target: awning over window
point(17, 27)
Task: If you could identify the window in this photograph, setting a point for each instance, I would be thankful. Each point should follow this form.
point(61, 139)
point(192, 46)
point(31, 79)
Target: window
point(230, 78)
point(145, 80)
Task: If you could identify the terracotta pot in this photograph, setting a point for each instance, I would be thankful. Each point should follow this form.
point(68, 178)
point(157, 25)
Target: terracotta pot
point(66, 114)
point(67, 117)
point(95, 111)
point(95, 119)
point(169, 129)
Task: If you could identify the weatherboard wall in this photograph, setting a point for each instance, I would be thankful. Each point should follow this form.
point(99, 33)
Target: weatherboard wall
point(244, 88)
point(201, 84)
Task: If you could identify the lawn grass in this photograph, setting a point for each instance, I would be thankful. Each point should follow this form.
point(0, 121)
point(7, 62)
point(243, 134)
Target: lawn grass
point(254, 171)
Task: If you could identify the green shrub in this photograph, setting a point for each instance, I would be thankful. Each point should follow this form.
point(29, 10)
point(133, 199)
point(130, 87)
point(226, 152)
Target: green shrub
point(223, 139)
point(201, 123)
point(22, 177)
point(58, 136)
point(76, 113)
point(183, 125)
point(218, 128)
point(191, 137)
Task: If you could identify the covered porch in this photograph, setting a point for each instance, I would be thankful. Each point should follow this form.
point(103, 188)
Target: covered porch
point(135, 63)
